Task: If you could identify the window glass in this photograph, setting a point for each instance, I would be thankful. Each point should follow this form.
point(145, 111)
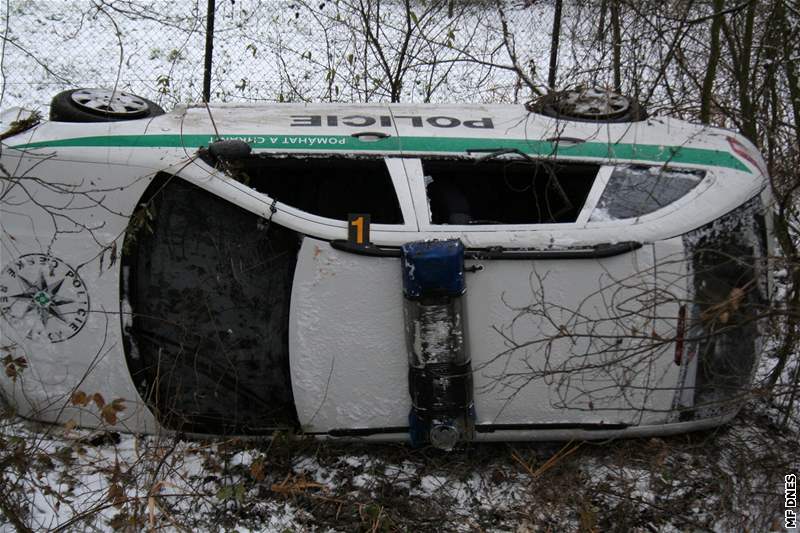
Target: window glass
point(328, 187)
point(635, 190)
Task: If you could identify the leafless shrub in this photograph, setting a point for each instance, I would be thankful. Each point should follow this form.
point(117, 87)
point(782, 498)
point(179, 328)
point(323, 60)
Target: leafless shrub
point(727, 64)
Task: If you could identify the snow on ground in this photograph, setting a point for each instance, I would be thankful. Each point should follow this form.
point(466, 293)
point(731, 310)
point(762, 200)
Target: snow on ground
point(730, 479)
point(724, 480)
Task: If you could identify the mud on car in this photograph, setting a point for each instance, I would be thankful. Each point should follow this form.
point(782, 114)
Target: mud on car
point(569, 268)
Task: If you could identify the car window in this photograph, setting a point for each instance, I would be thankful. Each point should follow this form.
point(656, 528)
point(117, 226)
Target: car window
point(636, 190)
point(506, 191)
point(325, 186)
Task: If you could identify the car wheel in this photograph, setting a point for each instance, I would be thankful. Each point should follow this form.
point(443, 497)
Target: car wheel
point(589, 105)
point(100, 105)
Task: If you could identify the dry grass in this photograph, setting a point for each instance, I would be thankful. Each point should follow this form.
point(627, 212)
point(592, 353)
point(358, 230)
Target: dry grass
point(727, 479)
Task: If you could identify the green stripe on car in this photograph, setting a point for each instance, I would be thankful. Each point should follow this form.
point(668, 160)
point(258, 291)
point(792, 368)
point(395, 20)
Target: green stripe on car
point(414, 145)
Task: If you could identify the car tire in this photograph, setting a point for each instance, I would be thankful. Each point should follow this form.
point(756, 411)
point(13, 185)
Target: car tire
point(100, 105)
point(589, 105)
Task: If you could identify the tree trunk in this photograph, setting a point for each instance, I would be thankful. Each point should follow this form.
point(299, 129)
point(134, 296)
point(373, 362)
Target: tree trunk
point(616, 44)
point(706, 97)
point(790, 67)
point(744, 76)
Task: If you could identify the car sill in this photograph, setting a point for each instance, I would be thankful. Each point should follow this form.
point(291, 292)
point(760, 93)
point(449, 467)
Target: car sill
point(596, 252)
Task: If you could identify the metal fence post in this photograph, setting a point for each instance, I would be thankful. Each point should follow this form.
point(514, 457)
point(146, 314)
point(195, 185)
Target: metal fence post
point(209, 50)
point(551, 75)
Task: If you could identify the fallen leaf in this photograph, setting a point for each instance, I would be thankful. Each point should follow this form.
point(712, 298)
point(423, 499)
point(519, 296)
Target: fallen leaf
point(80, 398)
point(109, 411)
point(98, 400)
point(257, 470)
point(295, 485)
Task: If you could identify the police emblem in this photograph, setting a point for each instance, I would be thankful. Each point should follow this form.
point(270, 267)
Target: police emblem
point(43, 297)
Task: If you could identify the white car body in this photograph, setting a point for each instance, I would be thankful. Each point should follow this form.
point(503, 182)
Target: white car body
point(562, 346)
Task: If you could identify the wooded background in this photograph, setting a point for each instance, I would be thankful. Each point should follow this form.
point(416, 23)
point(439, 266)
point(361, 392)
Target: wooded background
point(727, 63)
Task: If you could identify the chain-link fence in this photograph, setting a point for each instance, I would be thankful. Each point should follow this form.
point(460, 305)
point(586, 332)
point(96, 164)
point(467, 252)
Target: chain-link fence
point(476, 51)
point(276, 50)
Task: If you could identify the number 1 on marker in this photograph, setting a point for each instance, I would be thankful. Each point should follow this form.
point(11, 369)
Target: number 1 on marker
point(358, 228)
point(358, 223)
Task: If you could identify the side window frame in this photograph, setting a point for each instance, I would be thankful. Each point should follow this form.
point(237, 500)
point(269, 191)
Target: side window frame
point(708, 181)
point(304, 222)
point(599, 185)
point(416, 180)
point(402, 189)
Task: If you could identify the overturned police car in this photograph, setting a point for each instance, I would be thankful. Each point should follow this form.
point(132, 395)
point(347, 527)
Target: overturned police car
point(565, 269)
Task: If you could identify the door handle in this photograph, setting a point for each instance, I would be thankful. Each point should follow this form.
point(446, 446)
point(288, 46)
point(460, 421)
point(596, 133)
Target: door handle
point(370, 136)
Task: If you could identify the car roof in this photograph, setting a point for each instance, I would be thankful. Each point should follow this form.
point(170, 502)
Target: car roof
point(167, 142)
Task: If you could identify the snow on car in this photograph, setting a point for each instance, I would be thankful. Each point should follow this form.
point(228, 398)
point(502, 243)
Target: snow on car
point(441, 273)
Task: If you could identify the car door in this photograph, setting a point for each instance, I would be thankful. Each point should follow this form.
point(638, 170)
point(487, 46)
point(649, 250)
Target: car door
point(346, 338)
point(567, 327)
